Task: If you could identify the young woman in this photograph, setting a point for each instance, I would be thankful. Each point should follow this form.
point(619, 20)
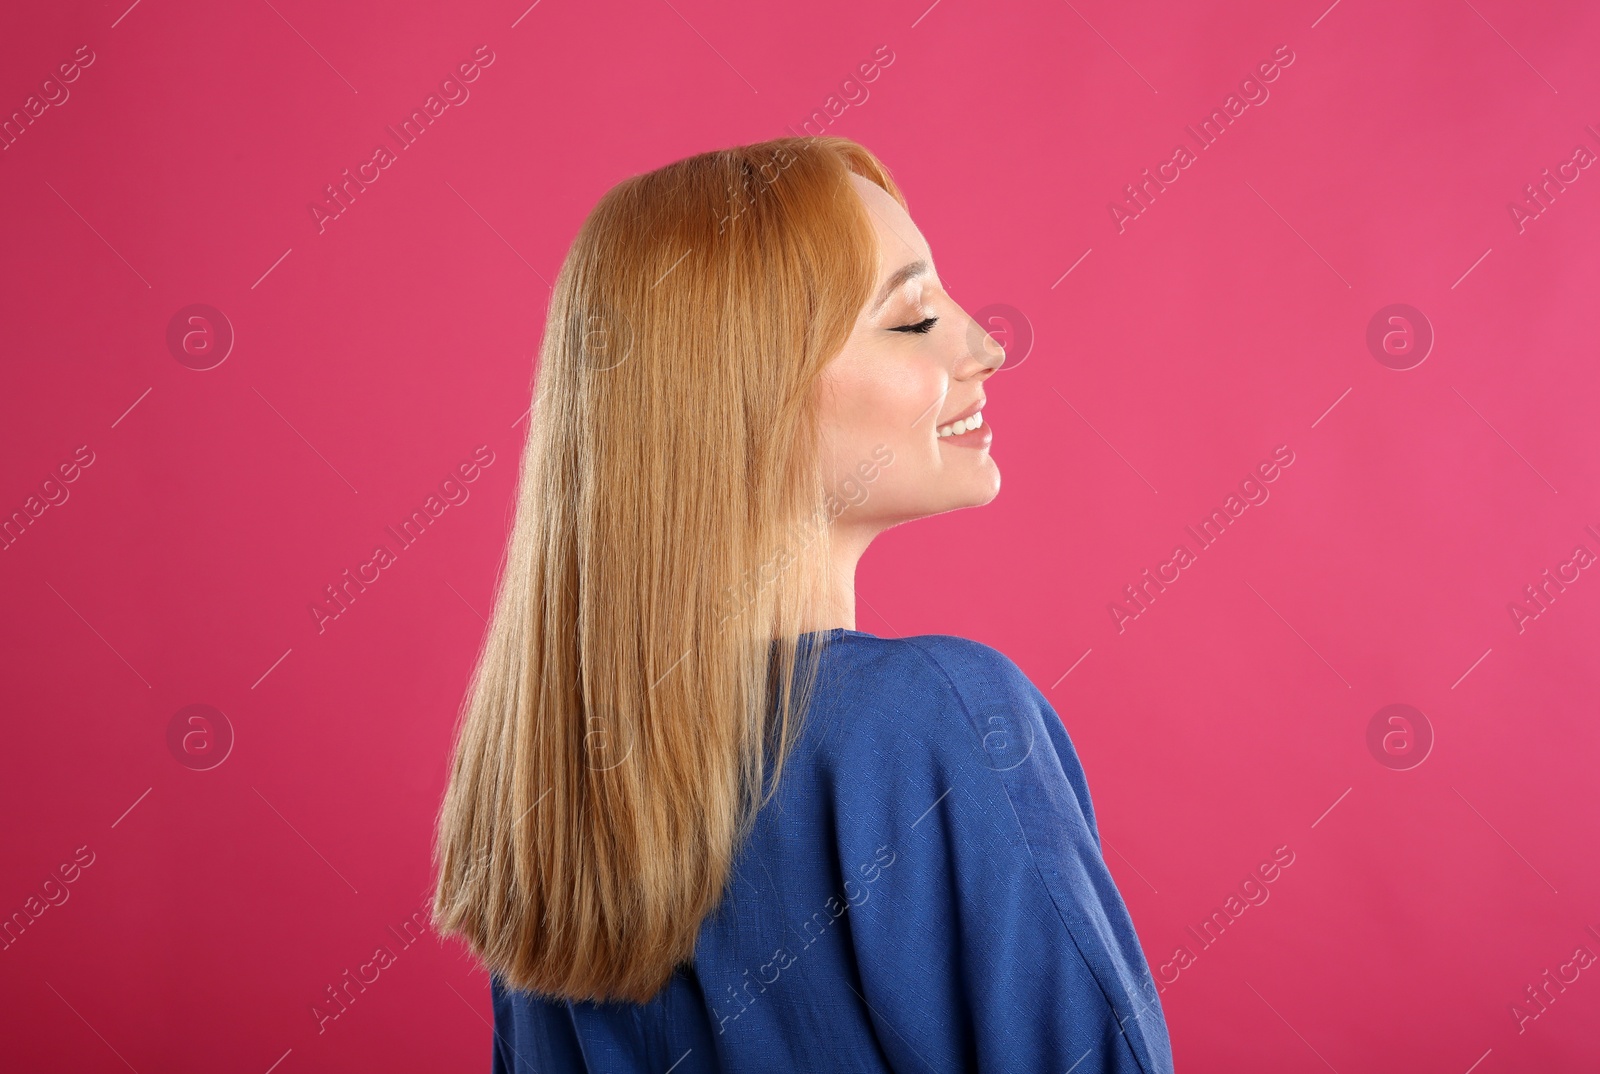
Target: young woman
point(696, 820)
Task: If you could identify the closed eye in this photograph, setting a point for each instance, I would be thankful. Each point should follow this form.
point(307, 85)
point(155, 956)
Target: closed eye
point(920, 327)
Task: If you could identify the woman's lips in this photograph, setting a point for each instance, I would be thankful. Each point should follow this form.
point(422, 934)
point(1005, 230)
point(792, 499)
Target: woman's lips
point(975, 408)
point(970, 431)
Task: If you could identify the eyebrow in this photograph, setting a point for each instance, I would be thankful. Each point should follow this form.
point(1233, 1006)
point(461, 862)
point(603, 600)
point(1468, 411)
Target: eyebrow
point(898, 280)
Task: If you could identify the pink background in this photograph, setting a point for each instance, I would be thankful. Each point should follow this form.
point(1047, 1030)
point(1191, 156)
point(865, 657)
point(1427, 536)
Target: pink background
point(1229, 719)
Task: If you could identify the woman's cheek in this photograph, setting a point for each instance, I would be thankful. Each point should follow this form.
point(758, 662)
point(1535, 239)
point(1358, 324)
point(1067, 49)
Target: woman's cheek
point(888, 403)
point(921, 395)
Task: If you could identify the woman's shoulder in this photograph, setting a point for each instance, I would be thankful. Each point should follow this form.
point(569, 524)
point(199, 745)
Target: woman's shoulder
point(953, 695)
point(996, 936)
point(923, 661)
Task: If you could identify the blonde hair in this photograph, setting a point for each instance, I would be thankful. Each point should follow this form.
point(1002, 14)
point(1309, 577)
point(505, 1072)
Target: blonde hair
point(644, 662)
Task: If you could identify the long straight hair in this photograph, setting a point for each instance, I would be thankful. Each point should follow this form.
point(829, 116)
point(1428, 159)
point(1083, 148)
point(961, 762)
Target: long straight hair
point(646, 668)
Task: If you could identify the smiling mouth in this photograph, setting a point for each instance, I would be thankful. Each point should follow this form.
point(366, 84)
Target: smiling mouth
point(965, 425)
point(970, 431)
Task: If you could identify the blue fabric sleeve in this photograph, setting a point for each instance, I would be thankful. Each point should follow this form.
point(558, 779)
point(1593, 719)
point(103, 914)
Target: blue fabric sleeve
point(989, 934)
point(504, 1027)
point(497, 1062)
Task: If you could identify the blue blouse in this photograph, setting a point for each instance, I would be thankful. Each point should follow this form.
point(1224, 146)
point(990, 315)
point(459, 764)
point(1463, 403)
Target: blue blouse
point(925, 892)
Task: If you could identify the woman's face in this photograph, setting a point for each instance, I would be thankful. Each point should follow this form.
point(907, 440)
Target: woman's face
point(903, 433)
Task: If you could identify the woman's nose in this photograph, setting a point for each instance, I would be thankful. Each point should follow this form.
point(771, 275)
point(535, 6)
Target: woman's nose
point(984, 354)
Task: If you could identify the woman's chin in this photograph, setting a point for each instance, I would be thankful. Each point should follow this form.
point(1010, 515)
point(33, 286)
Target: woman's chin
point(976, 494)
point(988, 484)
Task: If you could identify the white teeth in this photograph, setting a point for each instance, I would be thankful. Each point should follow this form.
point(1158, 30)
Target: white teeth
point(966, 425)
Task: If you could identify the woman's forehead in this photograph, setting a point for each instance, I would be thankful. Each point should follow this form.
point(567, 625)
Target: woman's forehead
point(899, 240)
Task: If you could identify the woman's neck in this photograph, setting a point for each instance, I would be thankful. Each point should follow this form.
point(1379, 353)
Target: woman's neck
point(847, 544)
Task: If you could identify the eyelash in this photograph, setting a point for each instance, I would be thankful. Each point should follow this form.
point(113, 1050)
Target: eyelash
point(921, 327)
